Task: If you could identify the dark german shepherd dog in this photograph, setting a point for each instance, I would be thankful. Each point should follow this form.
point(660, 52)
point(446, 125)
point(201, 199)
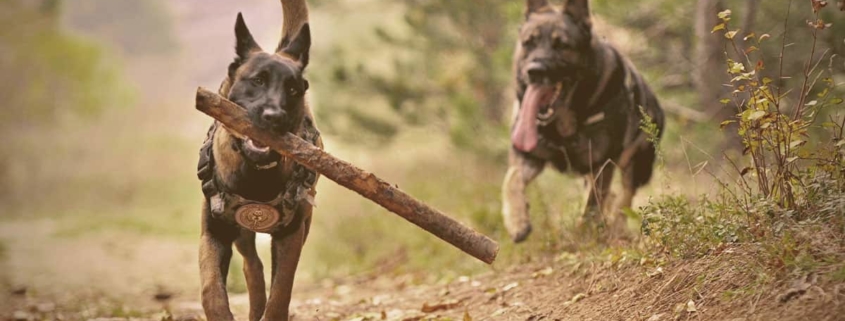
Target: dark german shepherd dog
point(237, 171)
point(579, 110)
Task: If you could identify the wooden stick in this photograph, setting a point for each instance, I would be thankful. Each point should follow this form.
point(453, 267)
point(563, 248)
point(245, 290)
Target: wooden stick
point(347, 175)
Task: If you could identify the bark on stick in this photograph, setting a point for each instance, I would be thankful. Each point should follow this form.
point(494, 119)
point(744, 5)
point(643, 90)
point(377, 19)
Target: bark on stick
point(347, 175)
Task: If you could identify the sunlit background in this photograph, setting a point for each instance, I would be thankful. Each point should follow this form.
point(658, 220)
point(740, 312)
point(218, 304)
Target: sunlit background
point(98, 193)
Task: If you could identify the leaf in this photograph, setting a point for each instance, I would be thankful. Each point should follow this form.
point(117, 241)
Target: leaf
point(466, 316)
point(749, 36)
point(744, 171)
point(576, 298)
point(735, 67)
point(731, 34)
point(797, 143)
point(757, 115)
point(726, 123)
point(763, 37)
point(447, 305)
point(812, 103)
point(725, 101)
point(718, 27)
point(544, 272)
point(751, 49)
point(510, 286)
point(691, 306)
point(725, 15)
point(791, 159)
point(767, 80)
point(836, 101)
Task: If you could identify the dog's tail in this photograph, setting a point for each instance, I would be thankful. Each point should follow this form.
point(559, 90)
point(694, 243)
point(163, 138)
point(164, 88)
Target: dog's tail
point(294, 15)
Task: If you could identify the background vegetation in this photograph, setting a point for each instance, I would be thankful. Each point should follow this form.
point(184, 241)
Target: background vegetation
point(97, 189)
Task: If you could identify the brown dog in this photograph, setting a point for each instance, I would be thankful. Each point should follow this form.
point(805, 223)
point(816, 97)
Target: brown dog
point(244, 182)
point(578, 109)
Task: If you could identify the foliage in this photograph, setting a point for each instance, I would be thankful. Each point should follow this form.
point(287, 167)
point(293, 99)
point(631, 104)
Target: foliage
point(449, 66)
point(788, 193)
point(775, 129)
point(50, 71)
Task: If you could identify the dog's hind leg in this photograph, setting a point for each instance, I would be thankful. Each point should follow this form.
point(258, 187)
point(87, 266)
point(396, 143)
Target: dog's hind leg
point(254, 273)
point(521, 171)
point(215, 254)
point(286, 250)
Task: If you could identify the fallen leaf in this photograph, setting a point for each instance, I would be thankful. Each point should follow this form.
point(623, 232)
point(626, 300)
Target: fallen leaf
point(446, 305)
point(544, 272)
point(656, 317)
point(510, 286)
point(658, 271)
point(576, 298)
point(691, 306)
point(466, 316)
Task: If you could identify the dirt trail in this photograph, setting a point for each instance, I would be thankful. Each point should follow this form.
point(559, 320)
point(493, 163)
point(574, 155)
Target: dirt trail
point(727, 286)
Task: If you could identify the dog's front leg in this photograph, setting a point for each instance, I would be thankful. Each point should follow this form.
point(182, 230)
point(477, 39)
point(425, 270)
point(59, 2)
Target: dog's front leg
point(254, 273)
point(521, 171)
point(286, 249)
point(215, 254)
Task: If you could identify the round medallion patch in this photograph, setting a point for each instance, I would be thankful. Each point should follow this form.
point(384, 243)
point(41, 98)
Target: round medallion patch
point(257, 217)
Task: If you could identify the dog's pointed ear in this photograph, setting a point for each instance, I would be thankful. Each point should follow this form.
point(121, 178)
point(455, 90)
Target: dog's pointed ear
point(580, 11)
point(532, 6)
point(298, 47)
point(244, 43)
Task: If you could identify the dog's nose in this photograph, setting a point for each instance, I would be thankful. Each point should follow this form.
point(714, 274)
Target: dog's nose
point(537, 71)
point(273, 116)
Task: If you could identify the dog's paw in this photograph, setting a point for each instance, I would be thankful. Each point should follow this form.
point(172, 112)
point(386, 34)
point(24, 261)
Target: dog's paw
point(520, 234)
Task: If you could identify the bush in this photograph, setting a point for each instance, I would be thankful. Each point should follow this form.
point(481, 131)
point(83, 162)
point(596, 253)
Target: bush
point(788, 191)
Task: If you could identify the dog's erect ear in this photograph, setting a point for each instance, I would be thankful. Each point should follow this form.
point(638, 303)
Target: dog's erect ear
point(298, 47)
point(244, 43)
point(580, 11)
point(532, 6)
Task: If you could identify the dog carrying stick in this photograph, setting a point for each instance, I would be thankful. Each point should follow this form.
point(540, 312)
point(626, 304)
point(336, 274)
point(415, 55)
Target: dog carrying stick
point(347, 175)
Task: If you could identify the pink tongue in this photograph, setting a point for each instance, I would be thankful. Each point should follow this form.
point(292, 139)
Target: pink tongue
point(524, 136)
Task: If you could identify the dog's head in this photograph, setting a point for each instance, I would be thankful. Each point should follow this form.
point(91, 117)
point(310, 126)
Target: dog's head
point(269, 85)
point(554, 48)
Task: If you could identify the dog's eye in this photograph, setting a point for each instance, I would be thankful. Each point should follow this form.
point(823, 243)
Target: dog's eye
point(528, 42)
point(558, 44)
point(292, 91)
point(258, 81)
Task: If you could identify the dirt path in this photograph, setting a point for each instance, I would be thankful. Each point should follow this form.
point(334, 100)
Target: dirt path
point(728, 286)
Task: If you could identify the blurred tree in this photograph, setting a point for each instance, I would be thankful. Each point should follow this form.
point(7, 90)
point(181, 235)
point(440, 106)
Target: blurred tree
point(133, 27)
point(450, 67)
point(47, 72)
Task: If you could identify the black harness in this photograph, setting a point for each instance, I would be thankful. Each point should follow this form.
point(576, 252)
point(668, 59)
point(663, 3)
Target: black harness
point(224, 204)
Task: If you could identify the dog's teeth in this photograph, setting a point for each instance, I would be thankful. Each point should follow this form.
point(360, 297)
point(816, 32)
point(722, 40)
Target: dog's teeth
point(255, 146)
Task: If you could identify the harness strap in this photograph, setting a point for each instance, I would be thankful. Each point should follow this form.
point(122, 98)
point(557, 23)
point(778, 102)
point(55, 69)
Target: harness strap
point(205, 166)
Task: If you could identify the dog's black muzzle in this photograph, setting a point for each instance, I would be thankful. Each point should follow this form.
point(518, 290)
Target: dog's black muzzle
point(546, 72)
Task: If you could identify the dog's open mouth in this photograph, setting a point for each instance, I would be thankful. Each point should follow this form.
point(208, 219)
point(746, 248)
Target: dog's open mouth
point(259, 154)
point(537, 96)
